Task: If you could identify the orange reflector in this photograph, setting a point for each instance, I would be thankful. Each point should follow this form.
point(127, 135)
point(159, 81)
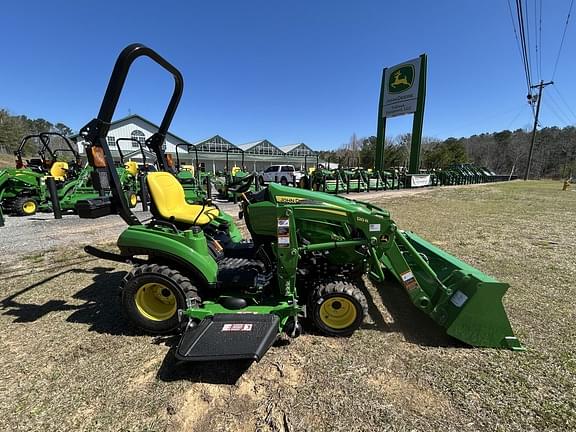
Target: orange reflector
point(169, 160)
point(98, 159)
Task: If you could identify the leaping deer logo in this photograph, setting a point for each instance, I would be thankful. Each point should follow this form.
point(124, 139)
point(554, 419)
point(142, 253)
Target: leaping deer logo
point(399, 79)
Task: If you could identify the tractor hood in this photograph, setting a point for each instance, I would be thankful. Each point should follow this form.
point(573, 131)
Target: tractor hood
point(289, 195)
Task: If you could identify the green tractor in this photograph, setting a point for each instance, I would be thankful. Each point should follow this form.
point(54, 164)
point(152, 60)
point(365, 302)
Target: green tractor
point(228, 183)
point(352, 176)
point(19, 186)
point(196, 184)
point(303, 265)
point(327, 180)
point(23, 190)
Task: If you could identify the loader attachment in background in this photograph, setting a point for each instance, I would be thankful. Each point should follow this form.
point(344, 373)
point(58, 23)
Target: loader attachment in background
point(460, 298)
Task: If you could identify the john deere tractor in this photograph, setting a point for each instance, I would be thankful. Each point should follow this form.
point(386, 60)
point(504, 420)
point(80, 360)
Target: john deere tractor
point(228, 182)
point(23, 190)
point(302, 266)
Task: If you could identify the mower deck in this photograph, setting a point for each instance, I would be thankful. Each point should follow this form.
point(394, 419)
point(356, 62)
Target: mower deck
point(229, 337)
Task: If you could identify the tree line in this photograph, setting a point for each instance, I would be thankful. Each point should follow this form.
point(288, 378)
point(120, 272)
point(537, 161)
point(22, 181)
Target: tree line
point(505, 152)
point(14, 127)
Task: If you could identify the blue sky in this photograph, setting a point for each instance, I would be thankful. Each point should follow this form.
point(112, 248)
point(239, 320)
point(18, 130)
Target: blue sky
point(289, 71)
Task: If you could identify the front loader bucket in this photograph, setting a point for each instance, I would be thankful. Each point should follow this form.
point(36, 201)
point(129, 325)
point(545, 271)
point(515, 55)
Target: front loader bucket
point(460, 298)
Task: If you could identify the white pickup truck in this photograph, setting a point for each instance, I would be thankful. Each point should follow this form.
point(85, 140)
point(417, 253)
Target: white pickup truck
point(284, 174)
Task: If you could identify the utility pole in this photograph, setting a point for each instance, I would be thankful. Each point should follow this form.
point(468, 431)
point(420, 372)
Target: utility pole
point(540, 88)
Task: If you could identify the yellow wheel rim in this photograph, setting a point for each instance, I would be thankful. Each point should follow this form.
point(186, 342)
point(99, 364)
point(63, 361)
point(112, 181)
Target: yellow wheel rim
point(156, 302)
point(29, 207)
point(338, 312)
point(133, 200)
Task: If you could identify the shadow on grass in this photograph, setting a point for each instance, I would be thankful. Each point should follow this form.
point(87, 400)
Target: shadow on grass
point(416, 326)
point(209, 372)
point(100, 310)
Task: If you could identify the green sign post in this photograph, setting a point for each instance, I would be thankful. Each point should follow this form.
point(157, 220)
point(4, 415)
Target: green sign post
point(403, 91)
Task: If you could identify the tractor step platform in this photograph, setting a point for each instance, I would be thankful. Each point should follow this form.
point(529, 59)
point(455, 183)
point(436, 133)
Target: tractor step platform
point(229, 337)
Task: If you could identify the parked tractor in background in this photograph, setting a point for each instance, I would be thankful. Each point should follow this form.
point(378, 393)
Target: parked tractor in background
point(23, 190)
point(196, 185)
point(228, 182)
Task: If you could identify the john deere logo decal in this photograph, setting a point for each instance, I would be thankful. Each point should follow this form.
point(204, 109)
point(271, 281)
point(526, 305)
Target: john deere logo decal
point(401, 79)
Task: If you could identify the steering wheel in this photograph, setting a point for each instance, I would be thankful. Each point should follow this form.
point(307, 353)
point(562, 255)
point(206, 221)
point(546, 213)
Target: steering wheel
point(242, 184)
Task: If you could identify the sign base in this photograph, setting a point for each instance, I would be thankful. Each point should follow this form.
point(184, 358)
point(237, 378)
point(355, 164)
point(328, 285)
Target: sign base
point(420, 180)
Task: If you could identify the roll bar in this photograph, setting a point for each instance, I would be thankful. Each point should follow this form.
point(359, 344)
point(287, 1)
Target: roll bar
point(18, 153)
point(121, 154)
point(227, 168)
point(96, 130)
point(46, 145)
point(188, 146)
point(306, 161)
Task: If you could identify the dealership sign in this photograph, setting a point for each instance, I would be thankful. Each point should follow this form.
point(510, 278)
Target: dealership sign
point(401, 88)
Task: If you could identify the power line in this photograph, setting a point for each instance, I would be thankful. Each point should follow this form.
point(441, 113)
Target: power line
point(521, 40)
point(522, 109)
point(565, 116)
point(527, 33)
point(564, 101)
point(540, 41)
point(562, 40)
point(556, 110)
point(515, 32)
point(522, 31)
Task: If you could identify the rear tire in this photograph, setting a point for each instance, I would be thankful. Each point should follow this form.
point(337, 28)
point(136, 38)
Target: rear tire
point(152, 295)
point(337, 308)
point(24, 206)
point(284, 181)
point(132, 199)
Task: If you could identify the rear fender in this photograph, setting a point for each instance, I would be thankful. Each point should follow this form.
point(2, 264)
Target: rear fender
point(187, 250)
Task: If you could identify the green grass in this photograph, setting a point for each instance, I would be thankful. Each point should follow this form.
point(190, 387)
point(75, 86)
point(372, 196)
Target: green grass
point(70, 362)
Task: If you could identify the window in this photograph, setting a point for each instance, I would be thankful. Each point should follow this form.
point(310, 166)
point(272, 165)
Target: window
point(273, 168)
point(217, 145)
point(287, 168)
point(138, 135)
point(111, 141)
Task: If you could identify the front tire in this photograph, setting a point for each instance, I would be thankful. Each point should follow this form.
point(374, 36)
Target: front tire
point(25, 206)
point(132, 199)
point(337, 308)
point(152, 295)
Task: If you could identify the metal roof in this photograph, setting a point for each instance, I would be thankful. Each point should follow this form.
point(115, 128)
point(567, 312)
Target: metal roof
point(248, 147)
point(133, 116)
point(291, 147)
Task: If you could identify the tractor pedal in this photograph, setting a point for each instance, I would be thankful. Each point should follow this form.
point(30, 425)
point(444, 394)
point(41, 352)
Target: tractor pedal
point(229, 337)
